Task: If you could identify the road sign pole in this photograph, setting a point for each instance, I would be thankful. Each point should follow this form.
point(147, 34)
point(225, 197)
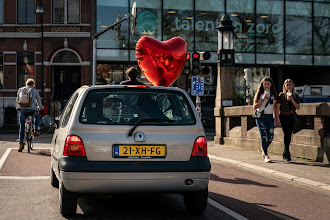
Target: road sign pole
point(199, 106)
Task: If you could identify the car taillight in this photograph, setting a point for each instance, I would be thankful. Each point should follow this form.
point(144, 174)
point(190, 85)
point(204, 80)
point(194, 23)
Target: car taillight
point(74, 147)
point(200, 147)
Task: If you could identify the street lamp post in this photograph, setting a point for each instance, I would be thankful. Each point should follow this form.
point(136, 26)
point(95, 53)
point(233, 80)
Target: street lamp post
point(40, 11)
point(225, 94)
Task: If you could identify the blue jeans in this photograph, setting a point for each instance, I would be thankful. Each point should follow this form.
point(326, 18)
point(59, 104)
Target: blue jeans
point(22, 118)
point(266, 130)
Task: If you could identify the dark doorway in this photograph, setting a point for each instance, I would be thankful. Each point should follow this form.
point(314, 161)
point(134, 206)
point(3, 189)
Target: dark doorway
point(66, 80)
point(10, 116)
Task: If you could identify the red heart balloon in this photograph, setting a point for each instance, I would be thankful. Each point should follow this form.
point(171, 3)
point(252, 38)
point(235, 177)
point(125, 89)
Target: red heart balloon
point(161, 62)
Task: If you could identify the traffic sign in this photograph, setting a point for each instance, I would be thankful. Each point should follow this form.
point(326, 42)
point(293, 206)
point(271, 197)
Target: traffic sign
point(197, 85)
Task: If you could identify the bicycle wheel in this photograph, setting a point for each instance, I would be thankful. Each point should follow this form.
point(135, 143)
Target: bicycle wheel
point(28, 136)
point(29, 142)
point(47, 124)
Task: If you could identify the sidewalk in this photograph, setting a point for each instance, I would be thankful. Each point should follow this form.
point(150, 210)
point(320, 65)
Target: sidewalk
point(301, 171)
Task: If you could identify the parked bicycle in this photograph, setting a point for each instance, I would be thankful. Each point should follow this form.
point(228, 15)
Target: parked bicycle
point(47, 125)
point(29, 130)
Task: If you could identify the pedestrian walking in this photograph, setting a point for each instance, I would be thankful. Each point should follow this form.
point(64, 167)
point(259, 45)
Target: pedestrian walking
point(132, 74)
point(286, 113)
point(264, 101)
point(27, 101)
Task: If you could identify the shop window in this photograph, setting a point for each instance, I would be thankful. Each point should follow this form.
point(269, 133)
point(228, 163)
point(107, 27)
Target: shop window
point(110, 74)
point(1, 70)
point(178, 18)
point(114, 38)
point(1, 11)
point(242, 15)
point(148, 23)
point(25, 67)
point(25, 11)
point(207, 17)
point(66, 12)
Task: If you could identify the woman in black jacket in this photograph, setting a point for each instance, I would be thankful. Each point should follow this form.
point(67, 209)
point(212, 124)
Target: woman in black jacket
point(286, 106)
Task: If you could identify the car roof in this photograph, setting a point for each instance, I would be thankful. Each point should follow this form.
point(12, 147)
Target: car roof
point(89, 87)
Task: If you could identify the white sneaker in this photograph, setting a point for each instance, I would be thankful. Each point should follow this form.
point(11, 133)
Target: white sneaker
point(267, 159)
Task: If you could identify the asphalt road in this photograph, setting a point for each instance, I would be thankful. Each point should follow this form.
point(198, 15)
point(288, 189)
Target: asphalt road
point(25, 193)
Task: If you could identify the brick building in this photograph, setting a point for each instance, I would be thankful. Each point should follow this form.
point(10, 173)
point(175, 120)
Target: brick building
point(67, 51)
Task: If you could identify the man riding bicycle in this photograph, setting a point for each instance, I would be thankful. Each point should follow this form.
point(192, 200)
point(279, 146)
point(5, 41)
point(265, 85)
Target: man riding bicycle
point(26, 102)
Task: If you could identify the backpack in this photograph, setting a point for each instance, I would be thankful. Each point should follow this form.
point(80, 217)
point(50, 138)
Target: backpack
point(25, 97)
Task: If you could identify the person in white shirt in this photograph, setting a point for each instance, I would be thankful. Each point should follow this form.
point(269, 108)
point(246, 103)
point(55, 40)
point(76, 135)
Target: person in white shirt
point(264, 100)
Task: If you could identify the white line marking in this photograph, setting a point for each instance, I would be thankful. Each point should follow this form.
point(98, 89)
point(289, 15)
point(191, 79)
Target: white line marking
point(24, 177)
point(4, 157)
point(226, 210)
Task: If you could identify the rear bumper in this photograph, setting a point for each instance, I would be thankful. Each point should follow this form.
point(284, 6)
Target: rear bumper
point(80, 175)
point(81, 164)
point(134, 182)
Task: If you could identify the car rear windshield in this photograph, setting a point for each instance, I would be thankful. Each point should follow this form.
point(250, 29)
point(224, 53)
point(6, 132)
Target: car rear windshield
point(131, 105)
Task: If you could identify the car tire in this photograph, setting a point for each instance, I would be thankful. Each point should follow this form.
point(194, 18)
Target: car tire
point(196, 202)
point(53, 178)
point(68, 201)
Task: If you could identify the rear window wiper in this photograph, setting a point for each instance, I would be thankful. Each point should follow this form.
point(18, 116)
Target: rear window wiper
point(148, 120)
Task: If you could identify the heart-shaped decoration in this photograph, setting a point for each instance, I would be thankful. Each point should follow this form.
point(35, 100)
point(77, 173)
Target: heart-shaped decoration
point(161, 62)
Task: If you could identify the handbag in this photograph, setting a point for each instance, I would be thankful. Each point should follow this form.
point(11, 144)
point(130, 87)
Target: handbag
point(259, 115)
point(295, 115)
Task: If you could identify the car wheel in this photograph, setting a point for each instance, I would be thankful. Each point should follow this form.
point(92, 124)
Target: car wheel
point(53, 178)
point(196, 202)
point(68, 201)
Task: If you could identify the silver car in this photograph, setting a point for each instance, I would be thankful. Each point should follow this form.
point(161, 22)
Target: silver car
point(122, 139)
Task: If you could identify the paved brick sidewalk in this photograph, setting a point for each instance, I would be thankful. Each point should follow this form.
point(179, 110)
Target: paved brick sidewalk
point(301, 171)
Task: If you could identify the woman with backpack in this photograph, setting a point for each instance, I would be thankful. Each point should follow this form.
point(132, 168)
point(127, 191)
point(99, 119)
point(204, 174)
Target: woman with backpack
point(27, 101)
point(263, 102)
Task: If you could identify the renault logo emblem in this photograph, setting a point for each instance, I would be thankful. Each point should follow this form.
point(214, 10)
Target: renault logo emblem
point(139, 137)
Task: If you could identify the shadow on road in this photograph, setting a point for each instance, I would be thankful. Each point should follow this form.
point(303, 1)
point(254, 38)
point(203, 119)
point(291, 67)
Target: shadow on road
point(238, 181)
point(251, 210)
point(136, 206)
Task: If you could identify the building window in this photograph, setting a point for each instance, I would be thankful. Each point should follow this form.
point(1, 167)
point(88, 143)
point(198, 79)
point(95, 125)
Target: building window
point(242, 15)
point(25, 67)
point(207, 17)
point(149, 21)
point(1, 70)
point(104, 19)
point(25, 11)
point(1, 11)
point(178, 18)
point(66, 11)
point(269, 27)
point(322, 28)
point(298, 27)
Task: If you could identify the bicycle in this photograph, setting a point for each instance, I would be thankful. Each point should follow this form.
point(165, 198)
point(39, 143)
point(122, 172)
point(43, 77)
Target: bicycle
point(47, 124)
point(29, 130)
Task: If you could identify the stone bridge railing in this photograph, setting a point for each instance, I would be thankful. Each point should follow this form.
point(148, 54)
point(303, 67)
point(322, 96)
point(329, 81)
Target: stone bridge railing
point(311, 138)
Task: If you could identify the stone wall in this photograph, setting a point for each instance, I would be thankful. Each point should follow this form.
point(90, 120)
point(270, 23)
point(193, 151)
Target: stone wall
point(311, 138)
